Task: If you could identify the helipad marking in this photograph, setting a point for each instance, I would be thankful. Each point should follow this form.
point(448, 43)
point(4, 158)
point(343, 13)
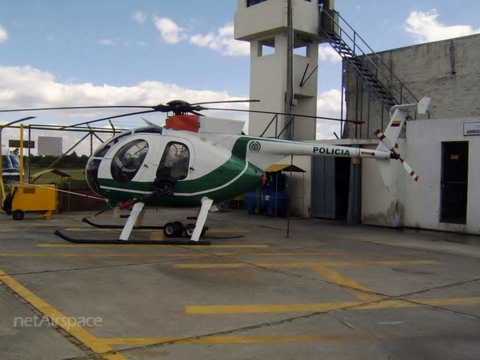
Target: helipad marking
point(97, 345)
point(237, 339)
point(306, 264)
point(331, 306)
point(248, 339)
point(363, 293)
point(323, 269)
point(204, 254)
point(83, 255)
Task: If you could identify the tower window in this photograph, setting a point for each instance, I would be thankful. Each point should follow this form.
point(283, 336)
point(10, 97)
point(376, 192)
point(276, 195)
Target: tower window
point(254, 2)
point(266, 47)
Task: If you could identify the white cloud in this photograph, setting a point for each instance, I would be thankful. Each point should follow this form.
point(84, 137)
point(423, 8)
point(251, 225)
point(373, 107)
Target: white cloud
point(424, 27)
point(222, 41)
point(3, 34)
point(108, 42)
point(328, 105)
point(27, 87)
point(126, 43)
point(327, 53)
point(170, 32)
point(50, 38)
point(139, 16)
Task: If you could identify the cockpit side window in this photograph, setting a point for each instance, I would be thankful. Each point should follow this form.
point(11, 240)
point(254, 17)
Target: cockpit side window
point(128, 160)
point(175, 162)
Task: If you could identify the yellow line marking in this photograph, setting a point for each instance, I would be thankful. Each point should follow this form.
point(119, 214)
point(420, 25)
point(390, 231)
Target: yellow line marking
point(237, 339)
point(224, 246)
point(108, 255)
point(97, 345)
point(330, 306)
point(309, 254)
point(232, 339)
point(205, 254)
point(306, 264)
point(31, 223)
point(274, 308)
point(364, 294)
point(449, 301)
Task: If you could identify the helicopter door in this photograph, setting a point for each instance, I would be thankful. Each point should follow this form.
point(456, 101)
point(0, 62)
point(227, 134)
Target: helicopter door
point(175, 162)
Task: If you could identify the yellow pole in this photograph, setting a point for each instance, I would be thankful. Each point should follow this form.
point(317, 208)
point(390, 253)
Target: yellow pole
point(2, 188)
point(2, 191)
point(21, 154)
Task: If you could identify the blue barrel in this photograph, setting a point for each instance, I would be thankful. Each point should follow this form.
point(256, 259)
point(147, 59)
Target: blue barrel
point(279, 200)
point(253, 199)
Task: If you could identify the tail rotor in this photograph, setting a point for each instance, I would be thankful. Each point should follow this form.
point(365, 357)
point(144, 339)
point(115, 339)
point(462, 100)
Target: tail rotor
point(388, 144)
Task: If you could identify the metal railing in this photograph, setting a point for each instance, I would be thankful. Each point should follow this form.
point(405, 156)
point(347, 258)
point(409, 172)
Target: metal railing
point(387, 87)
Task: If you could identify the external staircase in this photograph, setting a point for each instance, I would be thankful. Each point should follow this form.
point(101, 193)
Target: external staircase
point(374, 72)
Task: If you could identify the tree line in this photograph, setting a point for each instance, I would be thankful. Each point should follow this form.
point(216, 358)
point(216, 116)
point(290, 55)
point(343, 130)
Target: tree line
point(71, 161)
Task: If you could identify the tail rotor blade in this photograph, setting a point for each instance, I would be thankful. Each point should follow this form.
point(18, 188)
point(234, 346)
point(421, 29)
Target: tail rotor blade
point(385, 141)
point(408, 169)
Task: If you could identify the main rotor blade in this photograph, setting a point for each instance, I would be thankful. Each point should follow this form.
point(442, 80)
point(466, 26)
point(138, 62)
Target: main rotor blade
point(226, 102)
point(357, 122)
point(81, 107)
point(109, 118)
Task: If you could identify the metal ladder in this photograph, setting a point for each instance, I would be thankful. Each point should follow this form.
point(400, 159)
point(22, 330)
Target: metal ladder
point(375, 74)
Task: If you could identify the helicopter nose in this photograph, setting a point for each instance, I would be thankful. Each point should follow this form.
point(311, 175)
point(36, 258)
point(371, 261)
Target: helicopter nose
point(91, 172)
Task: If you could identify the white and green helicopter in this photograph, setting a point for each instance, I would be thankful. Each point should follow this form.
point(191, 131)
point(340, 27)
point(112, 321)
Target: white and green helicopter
point(196, 160)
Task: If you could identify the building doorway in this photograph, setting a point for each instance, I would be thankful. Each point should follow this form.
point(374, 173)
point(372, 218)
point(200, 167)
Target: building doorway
point(330, 187)
point(454, 183)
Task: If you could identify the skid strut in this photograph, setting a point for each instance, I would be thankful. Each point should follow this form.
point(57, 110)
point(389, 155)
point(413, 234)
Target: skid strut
point(135, 220)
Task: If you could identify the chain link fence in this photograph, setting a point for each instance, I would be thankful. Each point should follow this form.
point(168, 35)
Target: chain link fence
point(53, 155)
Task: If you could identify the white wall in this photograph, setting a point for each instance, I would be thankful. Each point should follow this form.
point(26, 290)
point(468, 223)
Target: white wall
point(424, 148)
point(417, 204)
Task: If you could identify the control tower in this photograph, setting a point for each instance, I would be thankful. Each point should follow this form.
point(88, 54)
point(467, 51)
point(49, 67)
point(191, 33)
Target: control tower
point(284, 38)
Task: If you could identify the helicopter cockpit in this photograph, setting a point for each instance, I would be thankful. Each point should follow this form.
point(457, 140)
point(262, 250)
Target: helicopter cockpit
point(126, 161)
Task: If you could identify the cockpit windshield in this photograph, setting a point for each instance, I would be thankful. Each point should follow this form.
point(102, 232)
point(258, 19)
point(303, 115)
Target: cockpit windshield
point(103, 149)
point(128, 160)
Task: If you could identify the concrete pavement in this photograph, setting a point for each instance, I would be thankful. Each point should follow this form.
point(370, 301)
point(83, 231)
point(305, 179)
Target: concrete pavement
point(327, 291)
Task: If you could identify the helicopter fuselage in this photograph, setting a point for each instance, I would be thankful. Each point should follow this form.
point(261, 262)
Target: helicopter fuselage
point(219, 166)
point(199, 166)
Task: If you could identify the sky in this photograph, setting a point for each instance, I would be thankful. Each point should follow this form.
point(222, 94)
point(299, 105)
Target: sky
point(145, 52)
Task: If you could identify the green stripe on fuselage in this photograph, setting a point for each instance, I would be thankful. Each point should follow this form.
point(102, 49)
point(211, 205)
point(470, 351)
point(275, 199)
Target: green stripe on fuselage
point(190, 192)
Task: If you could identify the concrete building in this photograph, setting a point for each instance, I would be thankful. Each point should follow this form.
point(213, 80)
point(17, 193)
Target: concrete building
point(442, 149)
point(438, 147)
point(265, 24)
point(448, 71)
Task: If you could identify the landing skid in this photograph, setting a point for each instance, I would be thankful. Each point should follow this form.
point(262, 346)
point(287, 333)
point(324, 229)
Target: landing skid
point(106, 226)
point(171, 230)
point(129, 242)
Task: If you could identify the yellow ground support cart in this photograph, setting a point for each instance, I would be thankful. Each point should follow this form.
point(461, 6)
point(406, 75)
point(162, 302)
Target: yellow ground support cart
point(33, 198)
